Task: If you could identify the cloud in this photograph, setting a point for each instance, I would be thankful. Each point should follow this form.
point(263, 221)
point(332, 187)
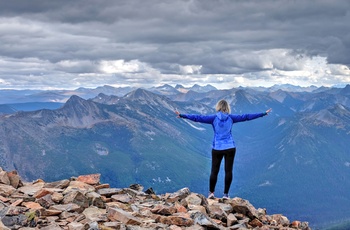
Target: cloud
point(70, 43)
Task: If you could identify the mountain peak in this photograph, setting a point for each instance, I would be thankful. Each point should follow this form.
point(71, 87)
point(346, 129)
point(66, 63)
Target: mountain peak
point(179, 86)
point(202, 89)
point(146, 97)
point(139, 94)
point(346, 90)
point(73, 100)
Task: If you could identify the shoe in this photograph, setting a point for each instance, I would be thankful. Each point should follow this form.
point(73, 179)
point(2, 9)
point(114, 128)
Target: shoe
point(225, 197)
point(211, 196)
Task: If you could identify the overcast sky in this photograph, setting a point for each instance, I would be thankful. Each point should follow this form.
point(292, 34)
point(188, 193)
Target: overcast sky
point(68, 44)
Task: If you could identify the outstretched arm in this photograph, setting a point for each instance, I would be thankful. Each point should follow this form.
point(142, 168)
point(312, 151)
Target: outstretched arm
point(248, 117)
point(197, 118)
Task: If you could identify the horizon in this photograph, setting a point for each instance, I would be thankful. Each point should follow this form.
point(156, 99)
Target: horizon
point(174, 85)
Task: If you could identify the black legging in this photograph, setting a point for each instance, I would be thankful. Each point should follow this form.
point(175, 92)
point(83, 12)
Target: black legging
point(217, 155)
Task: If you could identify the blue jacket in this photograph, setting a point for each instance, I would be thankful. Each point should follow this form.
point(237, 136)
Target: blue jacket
point(222, 125)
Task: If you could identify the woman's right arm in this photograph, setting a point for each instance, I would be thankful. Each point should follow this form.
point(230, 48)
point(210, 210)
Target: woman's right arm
point(208, 119)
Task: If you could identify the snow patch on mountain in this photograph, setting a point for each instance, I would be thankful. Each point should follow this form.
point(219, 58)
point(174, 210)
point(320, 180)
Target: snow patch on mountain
point(278, 95)
point(193, 126)
point(197, 108)
point(266, 183)
point(160, 180)
point(271, 166)
point(282, 121)
point(149, 134)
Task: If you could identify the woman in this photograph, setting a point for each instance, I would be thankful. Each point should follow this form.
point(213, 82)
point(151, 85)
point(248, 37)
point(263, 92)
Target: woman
point(223, 144)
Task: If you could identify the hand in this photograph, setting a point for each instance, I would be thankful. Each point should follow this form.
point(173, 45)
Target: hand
point(177, 113)
point(268, 111)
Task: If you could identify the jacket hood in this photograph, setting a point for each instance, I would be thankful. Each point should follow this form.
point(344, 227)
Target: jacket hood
point(222, 116)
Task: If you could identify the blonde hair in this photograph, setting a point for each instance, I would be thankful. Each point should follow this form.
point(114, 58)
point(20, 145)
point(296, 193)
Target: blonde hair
point(223, 106)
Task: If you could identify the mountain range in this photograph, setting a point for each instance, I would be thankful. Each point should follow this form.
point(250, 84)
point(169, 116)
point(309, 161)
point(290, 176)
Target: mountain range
point(295, 161)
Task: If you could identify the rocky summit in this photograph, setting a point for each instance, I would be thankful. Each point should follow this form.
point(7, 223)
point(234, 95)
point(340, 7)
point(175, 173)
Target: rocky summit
point(84, 203)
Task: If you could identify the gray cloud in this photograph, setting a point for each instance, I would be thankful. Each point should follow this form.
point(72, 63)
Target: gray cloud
point(170, 41)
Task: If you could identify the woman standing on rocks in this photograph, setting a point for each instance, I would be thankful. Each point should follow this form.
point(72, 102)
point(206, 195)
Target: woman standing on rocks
point(223, 144)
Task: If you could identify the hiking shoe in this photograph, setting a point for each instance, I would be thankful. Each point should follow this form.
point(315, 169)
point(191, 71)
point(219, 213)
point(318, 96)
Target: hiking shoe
point(211, 196)
point(225, 197)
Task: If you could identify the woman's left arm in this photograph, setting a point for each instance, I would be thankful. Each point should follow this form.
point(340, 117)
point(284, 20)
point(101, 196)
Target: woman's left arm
point(249, 116)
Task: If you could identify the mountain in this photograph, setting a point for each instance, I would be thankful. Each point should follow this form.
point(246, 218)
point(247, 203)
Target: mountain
point(14, 96)
point(29, 106)
point(106, 89)
point(292, 88)
point(202, 89)
point(138, 139)
point(166, 90)
point(6, 109)
point(196, 88)
point(58, 96)
point(294, 161)
point(305, 163)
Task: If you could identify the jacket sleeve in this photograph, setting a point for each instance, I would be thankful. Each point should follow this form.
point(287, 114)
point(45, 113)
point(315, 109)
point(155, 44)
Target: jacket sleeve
point(208, 119)
point(246, 117)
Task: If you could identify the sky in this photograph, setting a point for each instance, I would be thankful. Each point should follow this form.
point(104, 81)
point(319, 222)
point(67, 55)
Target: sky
point(68, 44)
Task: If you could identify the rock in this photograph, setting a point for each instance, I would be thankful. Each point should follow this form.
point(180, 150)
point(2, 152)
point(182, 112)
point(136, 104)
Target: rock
point(136, 187)
point(57, 197)
point(61, 184)
point(75, 226)
point(66, 207)
point(3, 227)
point(32, 188)
point(17, 202)
point(14, 210)
point(95, 214)
point(217, 213)
point(52, 227)
point(244, 207)
point(179, 195)
point(91, 179)
point(4, 179)
point(117, 214)
point(108, 192)
point(255, 223)
point(164, 209)
point(197, 208)
point(15, 179)
point(231, 219)
point(32, 205)
point(178, 220)
point(76, 197)
point(50, 212)
point(95, 199)
point(193, 199)
point(44, 191)
point(295, 224)
point(10, 221)
point(46, 201)
point(282, 220)
point(124, 198)
point(150, 191)
point(204, 220)
point(6, 190)
point(83, 203)
point(78, 186)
